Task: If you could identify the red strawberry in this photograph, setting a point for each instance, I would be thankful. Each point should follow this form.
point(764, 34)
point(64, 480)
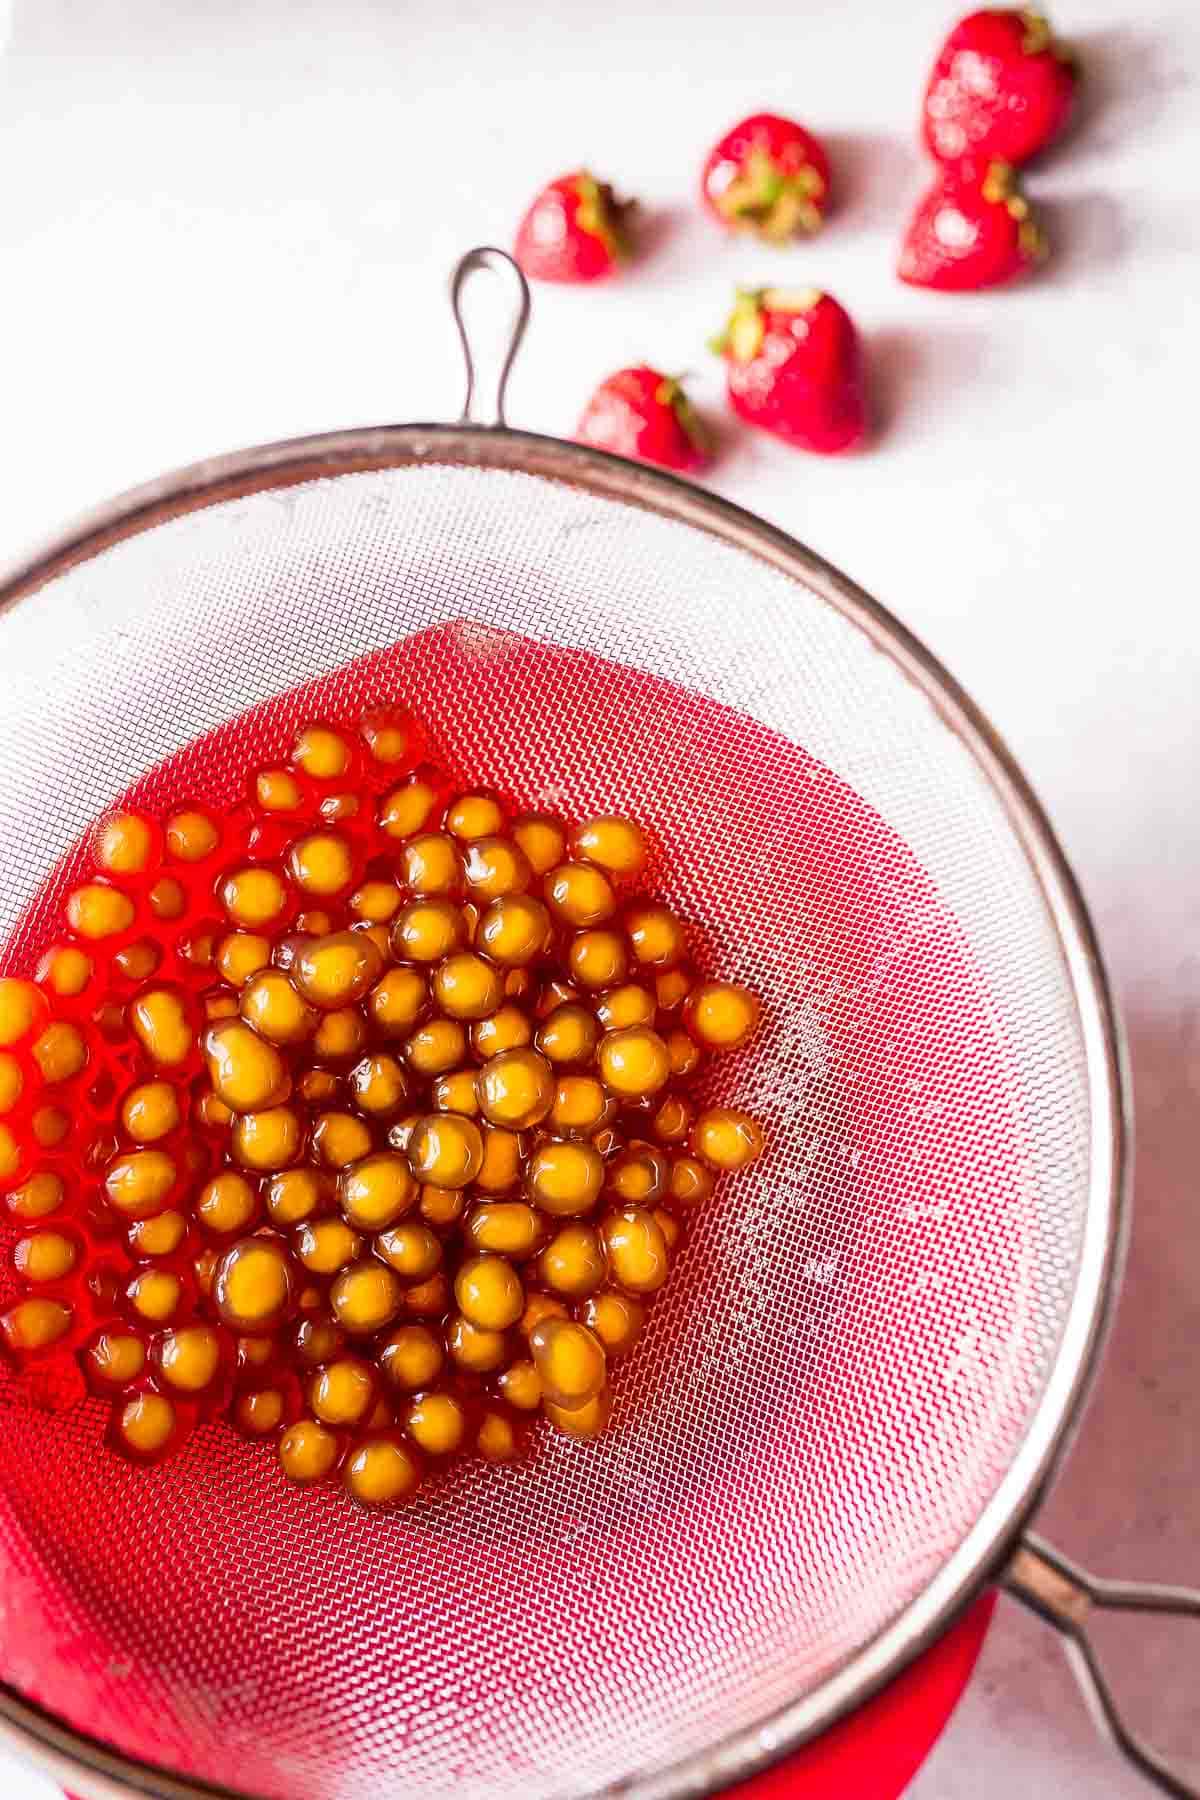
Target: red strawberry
point(574, 231)
point(794, 367)
point(1002, 89)
point(645, 415)
point(970, 232)
point(768, 176)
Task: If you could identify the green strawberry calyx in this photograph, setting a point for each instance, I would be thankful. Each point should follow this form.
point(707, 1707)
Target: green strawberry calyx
point(746, 327)
point(775, 204)
point(602, 215)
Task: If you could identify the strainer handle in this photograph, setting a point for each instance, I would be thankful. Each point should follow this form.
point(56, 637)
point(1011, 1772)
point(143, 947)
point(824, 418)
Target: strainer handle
point(487, 371)
point(1066, 1596)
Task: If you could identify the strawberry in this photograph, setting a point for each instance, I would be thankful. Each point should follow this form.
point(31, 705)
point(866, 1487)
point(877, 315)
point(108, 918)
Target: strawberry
point(1002, 89)
point(970, 232)
point(574, 231)
point(645, 415)
point(794, 366)
point(768, 176)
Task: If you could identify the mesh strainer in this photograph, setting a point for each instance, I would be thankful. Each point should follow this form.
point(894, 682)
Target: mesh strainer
point(847, 1404)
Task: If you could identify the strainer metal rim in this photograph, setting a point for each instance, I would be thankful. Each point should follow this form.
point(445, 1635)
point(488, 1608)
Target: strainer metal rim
point(71, 1755)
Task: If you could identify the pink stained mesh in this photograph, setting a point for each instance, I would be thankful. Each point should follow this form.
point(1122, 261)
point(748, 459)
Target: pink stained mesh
point(840, 1373)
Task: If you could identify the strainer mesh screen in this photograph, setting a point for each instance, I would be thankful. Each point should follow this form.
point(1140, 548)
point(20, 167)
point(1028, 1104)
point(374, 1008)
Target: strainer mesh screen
point(859, 1332)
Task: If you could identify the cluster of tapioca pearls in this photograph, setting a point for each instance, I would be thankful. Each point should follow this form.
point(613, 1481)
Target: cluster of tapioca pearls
point(454, 1154)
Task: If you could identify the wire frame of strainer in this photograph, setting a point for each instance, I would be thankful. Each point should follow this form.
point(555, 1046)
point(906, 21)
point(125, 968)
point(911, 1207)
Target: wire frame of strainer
point(849, 1398)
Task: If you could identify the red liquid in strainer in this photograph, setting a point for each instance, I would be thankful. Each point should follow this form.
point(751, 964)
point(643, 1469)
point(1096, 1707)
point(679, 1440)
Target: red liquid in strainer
point(206, 1616)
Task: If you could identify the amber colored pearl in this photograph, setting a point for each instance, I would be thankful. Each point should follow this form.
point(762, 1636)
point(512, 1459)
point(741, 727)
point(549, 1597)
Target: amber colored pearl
point(378, 1086)
point(721, 1015)
point(246, 1072)
point(191, 835)
point(340, 1138)
point(436, 1048)
point(253, 1285)
point(308, 1451)
point(321, 752)
point(655, 936)
point(227, 1203)
point(337, 970)
point(427, 931)
point(573, 1262)
point(637, 1250)
point(520, 1385)
point(489, 1292)
point(323, 1246)
point(407, 808)
point(568, 1034)
point(96, 910)
point(542, 838)
point(381, 1472)
point(633, 1063)
point(125, 844)
point(569, 1359)
point(579, 894)
point(160, 1024)
point(65, 970)
point(436, 1423)
point(726, 1139)
point(474, 815)
point(365, 1298)
point(564, 1179)
point(429, 864)
point(514, 930)
point(465, 986)
point(506, 1228)
point(581, 1106)
point(189, 1357)
point(690, 1183)
point(397, 1001)
point(615, 1318)
point(411, 1248)
point(411, 1357)
point(639, 1175)
point(446, 1149)
point(476, 1348)
point(321, 863)
point(143, 1426)
point(277, 1012)
point(493, 866)
point(509, 1028)
point(612, 842)
point(515, 1090)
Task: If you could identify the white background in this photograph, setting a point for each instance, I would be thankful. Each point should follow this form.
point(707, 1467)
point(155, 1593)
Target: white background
point(232, 220)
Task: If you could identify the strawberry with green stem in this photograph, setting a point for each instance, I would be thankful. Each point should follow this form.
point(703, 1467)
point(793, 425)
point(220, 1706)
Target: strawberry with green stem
point(575, 230)
point(769, 176)
point(971, 230)
point(794, 366)
point(644, 414)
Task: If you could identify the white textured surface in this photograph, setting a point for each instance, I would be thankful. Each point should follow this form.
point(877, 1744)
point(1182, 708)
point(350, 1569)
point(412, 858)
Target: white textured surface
point(220, 224)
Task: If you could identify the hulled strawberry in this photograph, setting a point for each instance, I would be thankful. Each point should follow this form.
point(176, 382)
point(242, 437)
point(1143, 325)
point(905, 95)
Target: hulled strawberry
point(794, 366)
point(574, 231)
point(1001, 90)
point(970, 231)
point(646, 415)
point(768, 175)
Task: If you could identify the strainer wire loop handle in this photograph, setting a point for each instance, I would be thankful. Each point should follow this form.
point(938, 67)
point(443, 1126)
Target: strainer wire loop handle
point(487, 379)
point(1066, 1596)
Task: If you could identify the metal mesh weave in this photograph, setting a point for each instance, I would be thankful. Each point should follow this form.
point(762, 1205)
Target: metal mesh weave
point(860, 1332)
